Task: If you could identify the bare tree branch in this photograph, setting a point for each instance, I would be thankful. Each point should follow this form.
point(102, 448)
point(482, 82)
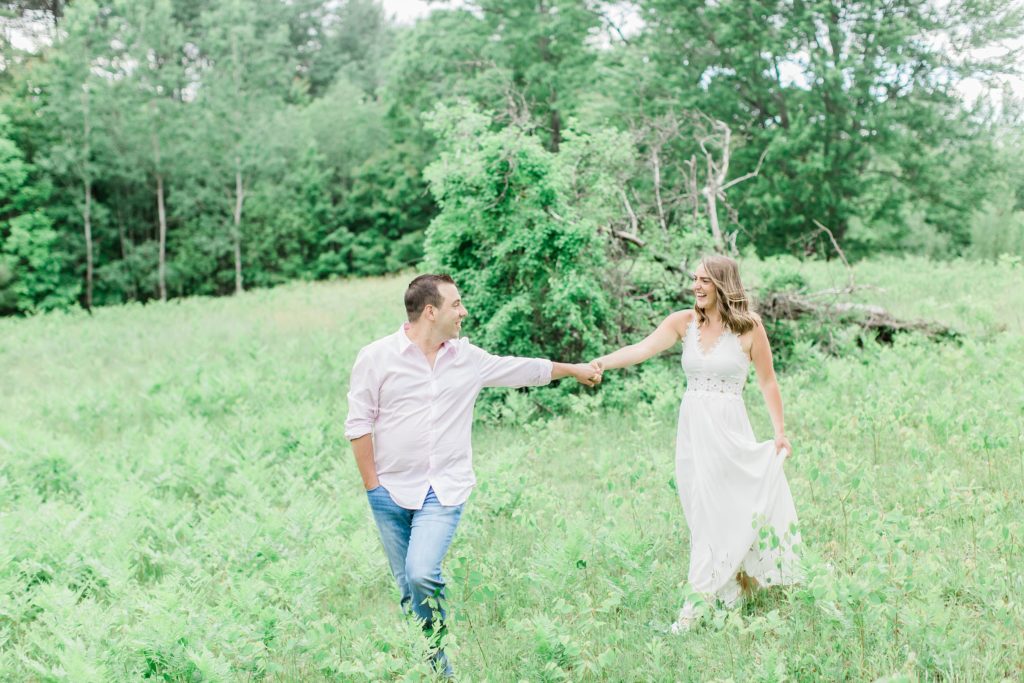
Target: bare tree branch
point(747, 176)
point(629, 238)
point(851, 283)
point(633, 222)
point(655, 163)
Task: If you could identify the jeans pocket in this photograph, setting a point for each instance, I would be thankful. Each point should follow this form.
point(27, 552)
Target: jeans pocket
point(379, 499)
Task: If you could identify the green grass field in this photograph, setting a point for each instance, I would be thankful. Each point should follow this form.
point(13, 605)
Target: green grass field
point(178, 503)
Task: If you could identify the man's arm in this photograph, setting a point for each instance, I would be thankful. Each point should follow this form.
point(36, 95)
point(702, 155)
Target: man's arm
point(363, 398)
point(514, 371)
point(362, 448)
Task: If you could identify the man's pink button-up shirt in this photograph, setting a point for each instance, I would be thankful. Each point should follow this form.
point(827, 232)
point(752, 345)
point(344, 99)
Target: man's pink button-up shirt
point(422, 418)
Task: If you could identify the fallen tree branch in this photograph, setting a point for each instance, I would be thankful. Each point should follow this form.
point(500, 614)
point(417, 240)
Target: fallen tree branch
point(840, 291)
point(874, 319)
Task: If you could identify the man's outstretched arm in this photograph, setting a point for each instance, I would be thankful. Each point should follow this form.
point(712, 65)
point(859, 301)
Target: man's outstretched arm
point(514, 371)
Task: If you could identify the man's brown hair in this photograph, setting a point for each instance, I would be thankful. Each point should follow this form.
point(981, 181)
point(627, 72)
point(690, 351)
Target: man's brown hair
point(422, 291)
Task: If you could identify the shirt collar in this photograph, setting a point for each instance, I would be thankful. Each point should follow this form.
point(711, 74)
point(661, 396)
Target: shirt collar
point(403, 339)
point(404, 342)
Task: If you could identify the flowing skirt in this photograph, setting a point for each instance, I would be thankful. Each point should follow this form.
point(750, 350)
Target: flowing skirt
point(735, 498)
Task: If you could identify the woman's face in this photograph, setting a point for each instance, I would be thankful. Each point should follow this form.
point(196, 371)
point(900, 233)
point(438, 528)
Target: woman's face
point(704, 289)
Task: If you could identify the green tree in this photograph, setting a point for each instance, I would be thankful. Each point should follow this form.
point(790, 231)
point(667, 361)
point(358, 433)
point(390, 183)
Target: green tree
point(32, 265)
point(545, 45)
point(244, 81)
point(843, 95)
point(153, 94)
point(355, 39)
point(72, 86)
point(508, 231)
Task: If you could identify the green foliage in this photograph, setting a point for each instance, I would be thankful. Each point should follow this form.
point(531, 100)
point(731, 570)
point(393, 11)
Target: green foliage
point(308, 118)
point(528, 263)
point(278, 97)
point(32, 256)
point(354, 38)
point(32, 276)
point(13, 169)
point(191, 511)
point(852, 104)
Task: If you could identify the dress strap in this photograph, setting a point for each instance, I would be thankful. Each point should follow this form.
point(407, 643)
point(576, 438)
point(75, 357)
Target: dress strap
point(691, 329)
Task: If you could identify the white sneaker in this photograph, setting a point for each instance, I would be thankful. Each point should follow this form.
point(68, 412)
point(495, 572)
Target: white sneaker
point(681, 626)
point(688, 618)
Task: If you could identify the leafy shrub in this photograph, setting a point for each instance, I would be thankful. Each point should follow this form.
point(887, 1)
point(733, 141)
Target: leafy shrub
point(32, 255)
point(527, 263)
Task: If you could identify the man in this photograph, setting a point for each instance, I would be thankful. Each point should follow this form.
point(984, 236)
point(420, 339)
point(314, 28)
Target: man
point(411, 399)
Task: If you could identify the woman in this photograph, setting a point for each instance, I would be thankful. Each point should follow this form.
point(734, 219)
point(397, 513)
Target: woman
point(734, 493)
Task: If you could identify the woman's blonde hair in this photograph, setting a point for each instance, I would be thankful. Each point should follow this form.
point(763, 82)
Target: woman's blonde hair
point(732, 301)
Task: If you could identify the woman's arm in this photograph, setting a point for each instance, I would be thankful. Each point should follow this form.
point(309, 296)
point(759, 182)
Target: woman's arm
point(761, 354)
point(667, 334)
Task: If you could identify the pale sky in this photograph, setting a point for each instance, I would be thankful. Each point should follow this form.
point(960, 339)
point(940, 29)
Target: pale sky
point(408, 11)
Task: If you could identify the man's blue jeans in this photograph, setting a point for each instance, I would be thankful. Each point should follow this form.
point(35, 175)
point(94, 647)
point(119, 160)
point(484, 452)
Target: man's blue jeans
point(415, 542)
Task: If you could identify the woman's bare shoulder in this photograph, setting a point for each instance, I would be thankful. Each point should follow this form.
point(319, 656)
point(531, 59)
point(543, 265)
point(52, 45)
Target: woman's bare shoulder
point(758, 328)
point(680, 320)
point(684, 316)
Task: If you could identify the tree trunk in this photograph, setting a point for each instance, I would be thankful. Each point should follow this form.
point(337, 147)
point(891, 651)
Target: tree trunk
point(162, 218)
point(656, 164)
point(122, 236)
point(556, 126)
point(87, 186)
point(716, 230)
point(162, 215)
point(87, 225)
point(716, 185)
point(544, 50)
point(694, 192)
point(237, 232)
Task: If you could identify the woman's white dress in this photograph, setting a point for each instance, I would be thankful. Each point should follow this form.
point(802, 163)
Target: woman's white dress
point(733, 489)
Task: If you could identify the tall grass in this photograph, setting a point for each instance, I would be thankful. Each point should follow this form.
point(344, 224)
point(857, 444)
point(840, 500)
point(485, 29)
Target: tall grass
point(178, 502)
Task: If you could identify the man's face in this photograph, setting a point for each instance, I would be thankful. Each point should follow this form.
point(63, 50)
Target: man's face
point(448, 318)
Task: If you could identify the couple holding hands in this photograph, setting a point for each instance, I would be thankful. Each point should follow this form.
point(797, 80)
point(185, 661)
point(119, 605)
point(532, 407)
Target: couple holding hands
point(411, 399)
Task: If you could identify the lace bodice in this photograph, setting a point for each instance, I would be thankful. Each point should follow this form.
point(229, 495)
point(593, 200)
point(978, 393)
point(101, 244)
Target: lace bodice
point(721, 370)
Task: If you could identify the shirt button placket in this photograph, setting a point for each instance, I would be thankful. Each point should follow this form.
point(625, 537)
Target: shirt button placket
point(433, 418)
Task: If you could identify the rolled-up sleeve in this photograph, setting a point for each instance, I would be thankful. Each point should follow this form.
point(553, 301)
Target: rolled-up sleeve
point(363, 397)
point(512, 371)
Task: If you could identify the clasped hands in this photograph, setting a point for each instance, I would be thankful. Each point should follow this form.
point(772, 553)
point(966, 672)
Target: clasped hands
point(589, 374)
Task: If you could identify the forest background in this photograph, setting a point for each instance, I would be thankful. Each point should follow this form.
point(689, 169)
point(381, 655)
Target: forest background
point(163, 148)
